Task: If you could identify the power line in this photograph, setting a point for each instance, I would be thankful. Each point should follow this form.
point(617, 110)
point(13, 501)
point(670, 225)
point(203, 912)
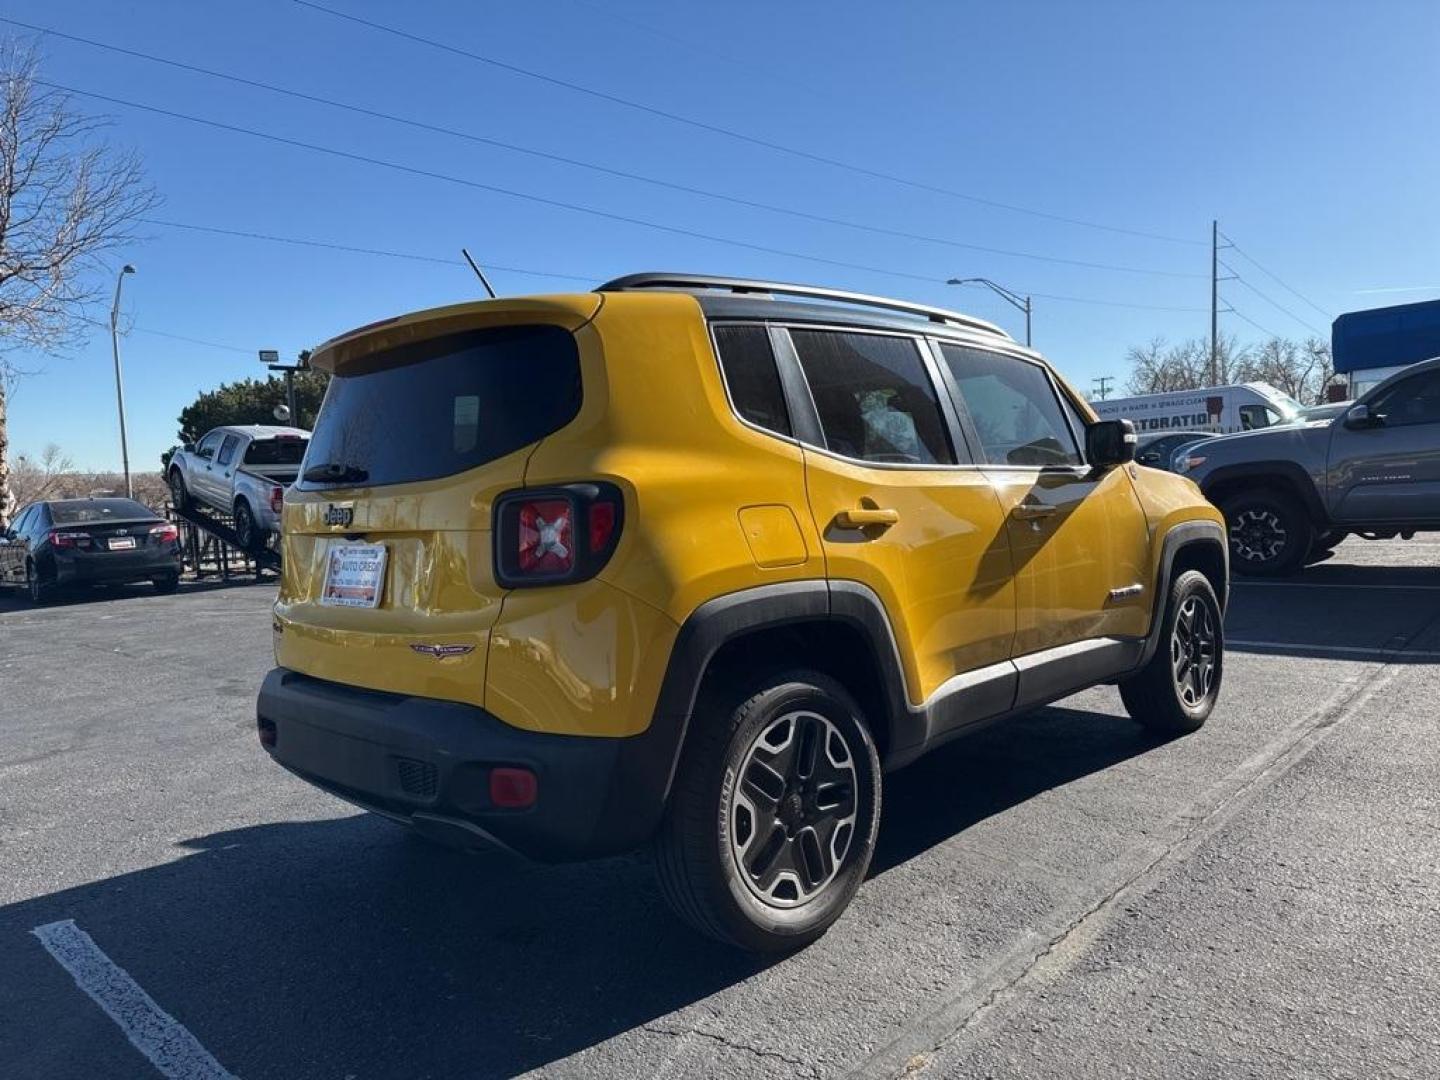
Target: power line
point(1244, 255)
point(732, 133)
point(176, 337)
point(592, 166)
point(1252, 322)
point(541, 200)
point(302, 242)
point(1276, 305)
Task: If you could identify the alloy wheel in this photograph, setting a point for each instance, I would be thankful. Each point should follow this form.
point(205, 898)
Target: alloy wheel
point(792, 819)
point(1258, 535)
point(1194, 647)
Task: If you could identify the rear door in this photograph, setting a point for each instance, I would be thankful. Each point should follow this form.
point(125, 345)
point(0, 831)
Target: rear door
point(1079, 539)
point(227, 460)
point(201, 474)
point(899, 507)
point(1391, 471)
point(412, 446)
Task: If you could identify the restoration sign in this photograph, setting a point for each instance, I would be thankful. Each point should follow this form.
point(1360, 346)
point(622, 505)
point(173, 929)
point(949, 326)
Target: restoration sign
point(354, 575)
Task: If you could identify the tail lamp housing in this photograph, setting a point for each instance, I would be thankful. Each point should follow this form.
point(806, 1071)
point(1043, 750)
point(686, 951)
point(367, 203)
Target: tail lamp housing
point(62, 538)
point(165, 534)
point(277, 499)
point(556, 535)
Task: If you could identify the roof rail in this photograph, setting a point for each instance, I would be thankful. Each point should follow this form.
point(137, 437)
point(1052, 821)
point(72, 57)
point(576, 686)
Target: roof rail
point(809, 292)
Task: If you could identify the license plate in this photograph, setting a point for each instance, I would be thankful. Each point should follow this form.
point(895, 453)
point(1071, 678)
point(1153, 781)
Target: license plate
point(121, 543)
point(354, 575)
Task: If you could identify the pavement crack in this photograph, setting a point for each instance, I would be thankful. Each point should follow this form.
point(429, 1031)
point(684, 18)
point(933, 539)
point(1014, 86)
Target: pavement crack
point(757, 1051)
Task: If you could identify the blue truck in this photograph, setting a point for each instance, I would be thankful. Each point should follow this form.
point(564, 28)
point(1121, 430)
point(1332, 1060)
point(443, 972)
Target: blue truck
point(1370, 346)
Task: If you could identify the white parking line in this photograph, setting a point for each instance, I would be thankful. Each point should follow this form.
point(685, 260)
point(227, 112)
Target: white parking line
point(1332, 650)
point(151, 1030)
point(1332, 585)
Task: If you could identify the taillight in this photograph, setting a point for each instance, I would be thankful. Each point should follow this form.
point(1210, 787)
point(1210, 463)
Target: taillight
point(69, 539)
point(552, 536)
point(165, 534)
point(277, 499)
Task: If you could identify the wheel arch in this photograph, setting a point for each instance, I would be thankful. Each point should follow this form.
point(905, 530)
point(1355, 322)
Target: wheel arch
point(1284, 476)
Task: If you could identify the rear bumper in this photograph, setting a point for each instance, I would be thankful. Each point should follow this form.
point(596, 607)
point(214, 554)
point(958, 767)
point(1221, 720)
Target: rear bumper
point(110, 567)
point(427, 763)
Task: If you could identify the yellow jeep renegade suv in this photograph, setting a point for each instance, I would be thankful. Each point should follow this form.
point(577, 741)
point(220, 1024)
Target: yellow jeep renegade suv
point(694, 561)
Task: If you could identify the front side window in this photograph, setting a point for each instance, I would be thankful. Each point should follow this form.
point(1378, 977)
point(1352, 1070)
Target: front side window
point(207, 446)
point(1013, 407)
point(874, 398)
point(1413, 401)
point(748, 362)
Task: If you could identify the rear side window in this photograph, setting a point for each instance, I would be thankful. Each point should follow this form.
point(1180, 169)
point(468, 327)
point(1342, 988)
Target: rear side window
point(874, 398)
point(286, 450)
point(750, 375)
point(442, 406)
point(1013, 408)
point(227, 449)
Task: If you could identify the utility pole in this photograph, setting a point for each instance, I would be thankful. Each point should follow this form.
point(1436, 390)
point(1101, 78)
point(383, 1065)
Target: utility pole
point(1214, 303)
point(1102, 385)
point(120, 382)
point(270, 358)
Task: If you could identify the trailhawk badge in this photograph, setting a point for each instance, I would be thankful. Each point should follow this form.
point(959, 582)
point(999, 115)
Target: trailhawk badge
point(440, 652)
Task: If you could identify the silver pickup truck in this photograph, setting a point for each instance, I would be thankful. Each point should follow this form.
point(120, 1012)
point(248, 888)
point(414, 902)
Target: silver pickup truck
point(1291, 492)
point(243, 471)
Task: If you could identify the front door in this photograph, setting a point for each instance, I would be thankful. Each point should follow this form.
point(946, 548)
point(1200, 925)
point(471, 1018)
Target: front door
point(900, 510)
point(1390, 471)
point(1078, 538)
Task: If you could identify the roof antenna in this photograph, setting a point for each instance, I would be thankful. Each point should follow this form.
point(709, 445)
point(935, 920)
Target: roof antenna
point(478, 273)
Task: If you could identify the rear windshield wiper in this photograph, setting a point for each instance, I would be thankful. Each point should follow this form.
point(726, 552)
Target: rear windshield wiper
point(336, 473)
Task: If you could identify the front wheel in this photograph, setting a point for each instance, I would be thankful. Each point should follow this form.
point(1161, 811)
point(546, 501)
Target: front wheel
point(773, 817)
point(1175, 692)
point(1270, 533)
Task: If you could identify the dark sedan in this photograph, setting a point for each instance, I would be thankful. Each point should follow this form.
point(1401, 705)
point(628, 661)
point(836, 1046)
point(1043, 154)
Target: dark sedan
point(1157, 448)
point(64, 542)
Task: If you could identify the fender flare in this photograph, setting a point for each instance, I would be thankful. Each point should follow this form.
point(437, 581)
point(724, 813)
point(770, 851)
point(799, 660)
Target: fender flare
point(1290, 474)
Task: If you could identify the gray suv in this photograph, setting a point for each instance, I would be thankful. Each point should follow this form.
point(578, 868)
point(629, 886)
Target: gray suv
point(1290, 493)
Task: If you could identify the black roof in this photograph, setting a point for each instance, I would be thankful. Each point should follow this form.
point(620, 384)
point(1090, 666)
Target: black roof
point(737, 297)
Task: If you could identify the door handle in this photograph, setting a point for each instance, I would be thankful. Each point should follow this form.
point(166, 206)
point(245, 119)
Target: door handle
point(1031, 511)
point(859, 519)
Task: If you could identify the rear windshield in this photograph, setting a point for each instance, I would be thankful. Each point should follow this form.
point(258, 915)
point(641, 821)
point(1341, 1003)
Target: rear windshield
point(283, 451)
point(91, 511)
point(445, 405)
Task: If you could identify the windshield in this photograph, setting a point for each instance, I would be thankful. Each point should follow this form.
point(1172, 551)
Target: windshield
point(441, 406)
point(91, 511)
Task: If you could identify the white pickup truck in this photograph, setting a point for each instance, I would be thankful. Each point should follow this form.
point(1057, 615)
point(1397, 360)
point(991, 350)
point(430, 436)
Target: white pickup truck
point(242, 470)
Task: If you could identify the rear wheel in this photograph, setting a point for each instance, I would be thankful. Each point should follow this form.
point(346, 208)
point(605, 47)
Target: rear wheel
point(35, 588)
point(1270, 533)
point(773, 818)
point(246, 531)
point(179, 494)
point(166, 583)
point(1176, 691)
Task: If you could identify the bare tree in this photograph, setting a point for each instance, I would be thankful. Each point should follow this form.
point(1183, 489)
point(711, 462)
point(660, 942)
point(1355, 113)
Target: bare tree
point(1158, 367)
point(45, 477)
point(66, 199)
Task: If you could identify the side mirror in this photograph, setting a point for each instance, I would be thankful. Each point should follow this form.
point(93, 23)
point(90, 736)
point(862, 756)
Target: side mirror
point(1109, 443)
point(1360, 416)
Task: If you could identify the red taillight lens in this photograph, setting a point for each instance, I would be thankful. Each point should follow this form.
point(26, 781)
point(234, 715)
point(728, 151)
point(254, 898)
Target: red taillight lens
point(165, 534)
point(69, 539)
point(602, 526)
point(553, 536)
point(513, 789)
point(277, 499)
point(547, 537)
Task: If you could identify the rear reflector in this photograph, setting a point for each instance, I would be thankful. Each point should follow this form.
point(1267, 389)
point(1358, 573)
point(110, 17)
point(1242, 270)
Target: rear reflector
point(266, 730)
point(513, 789)
point(602, 526)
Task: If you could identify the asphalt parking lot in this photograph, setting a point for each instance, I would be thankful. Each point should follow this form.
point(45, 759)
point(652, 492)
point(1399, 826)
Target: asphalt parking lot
point(1061, 896)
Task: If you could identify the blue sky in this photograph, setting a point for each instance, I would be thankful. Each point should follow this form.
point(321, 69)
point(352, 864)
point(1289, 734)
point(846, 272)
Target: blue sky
point(1306, 128)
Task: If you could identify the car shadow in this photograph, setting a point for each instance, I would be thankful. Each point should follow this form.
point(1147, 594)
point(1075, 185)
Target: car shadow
point(347, 946)
point(14, 598)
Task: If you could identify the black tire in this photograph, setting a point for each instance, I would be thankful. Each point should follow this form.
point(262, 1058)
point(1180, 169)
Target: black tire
point(179, 493)
point(1270, 533)
point(35, 588)
point(1171, 694)
point(246, 531)
point(166, 583)
point(701, 847)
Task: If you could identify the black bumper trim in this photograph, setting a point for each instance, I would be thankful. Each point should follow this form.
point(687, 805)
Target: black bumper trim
point(597, 796)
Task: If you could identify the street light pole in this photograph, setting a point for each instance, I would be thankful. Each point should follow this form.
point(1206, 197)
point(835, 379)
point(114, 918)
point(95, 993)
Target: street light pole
point(1021, 302)
point(119, 382)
